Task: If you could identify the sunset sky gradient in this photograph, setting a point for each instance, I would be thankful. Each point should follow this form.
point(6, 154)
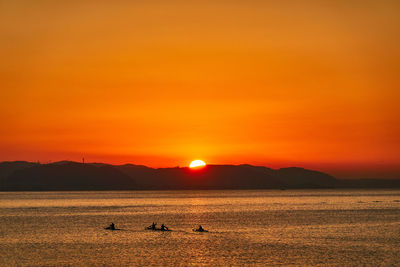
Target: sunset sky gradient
point(314, 84)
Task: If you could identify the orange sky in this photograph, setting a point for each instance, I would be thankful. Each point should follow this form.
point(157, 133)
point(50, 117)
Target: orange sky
point(276, 83)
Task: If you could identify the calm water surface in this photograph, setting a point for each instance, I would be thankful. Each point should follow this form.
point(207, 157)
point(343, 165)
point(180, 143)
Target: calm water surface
point(310, 227)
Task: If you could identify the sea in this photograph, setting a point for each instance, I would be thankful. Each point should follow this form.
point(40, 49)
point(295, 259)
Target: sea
point(245, 228)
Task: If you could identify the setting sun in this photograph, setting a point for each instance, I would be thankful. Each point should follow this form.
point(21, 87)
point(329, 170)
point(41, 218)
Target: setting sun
point(197, 163)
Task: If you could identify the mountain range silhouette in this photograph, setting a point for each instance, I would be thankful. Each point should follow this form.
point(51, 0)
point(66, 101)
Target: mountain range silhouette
point(68, 175)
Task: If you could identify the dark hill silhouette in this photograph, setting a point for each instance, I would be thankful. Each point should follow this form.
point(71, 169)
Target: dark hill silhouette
point(67, 175)
point(219, 177)
point(303, 178)
point(8, 167)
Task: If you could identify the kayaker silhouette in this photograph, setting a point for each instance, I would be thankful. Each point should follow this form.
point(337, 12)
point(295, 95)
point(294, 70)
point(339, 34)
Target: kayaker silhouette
point(112, 226)
point(200, 229)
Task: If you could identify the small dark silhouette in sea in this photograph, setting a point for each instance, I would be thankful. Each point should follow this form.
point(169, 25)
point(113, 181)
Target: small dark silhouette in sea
point(111, 227)
point(200, 229)
point(154, 228)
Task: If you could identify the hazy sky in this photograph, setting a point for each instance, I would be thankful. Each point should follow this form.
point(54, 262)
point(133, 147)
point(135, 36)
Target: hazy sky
point(277, 83)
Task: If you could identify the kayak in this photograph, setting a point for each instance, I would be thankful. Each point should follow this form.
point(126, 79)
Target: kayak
point(200, 231)
point(109, 228)
point(157, 229)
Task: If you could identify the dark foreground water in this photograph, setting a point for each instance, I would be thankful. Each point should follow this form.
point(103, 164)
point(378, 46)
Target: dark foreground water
point(310, 227)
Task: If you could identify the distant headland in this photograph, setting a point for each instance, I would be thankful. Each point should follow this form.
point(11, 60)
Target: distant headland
point(68, 175)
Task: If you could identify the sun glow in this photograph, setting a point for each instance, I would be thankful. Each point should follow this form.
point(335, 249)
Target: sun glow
point(197, 163)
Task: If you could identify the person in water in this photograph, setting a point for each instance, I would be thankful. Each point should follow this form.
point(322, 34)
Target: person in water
point(112, 226)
